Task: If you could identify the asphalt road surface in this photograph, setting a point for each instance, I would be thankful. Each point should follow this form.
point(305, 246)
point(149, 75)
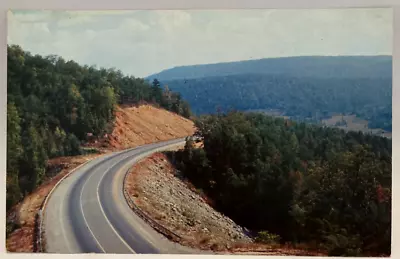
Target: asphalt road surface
point(88, 213)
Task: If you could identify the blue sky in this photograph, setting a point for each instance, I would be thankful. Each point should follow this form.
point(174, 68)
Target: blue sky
point(140, 43)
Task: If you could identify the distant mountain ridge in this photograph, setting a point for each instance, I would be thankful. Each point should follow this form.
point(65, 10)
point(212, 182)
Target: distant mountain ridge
point(302, 66)
point(304, 88)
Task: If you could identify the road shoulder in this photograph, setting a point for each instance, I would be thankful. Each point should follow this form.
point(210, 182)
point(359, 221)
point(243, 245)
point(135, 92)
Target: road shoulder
point(23, 216)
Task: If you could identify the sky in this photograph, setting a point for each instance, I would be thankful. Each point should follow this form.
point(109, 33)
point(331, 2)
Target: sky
point(141, 43)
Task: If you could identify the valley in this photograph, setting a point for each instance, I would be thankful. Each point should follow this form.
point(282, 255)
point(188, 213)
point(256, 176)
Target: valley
point(311, 89)
point(345, 122)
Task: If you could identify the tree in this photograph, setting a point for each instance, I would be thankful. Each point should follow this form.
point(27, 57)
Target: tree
point(52, 106)
point(293, 96)
point(72, 145)
point(337, 193)
point(33, 159)
point(186, 110)
point(14, 151)
point(156, 91)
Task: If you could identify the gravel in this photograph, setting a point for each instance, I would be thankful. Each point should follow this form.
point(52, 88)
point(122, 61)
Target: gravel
point(154, 187)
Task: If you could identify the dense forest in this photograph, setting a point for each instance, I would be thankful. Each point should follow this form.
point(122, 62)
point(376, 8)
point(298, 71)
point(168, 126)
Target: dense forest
point(301, 98)
point(286, 180)
point(309, 67)
point(294, 182)
point(53, 105)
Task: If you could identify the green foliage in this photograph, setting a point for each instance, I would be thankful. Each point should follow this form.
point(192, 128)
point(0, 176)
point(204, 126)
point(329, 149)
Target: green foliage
point(72, 145)
point(156, 91)
point(10, 227)
point(171, 101)
point(301, 181)
point(267, 238)
point(302, 98)
point(13, 190)
point(14, 148)
point(135, 90)
point(33, 161)
point(306, 88)
point(54, 104)
point(343, 244)
point(89, 151)
point(14, 152)
point(309, 67)
point(378, 117)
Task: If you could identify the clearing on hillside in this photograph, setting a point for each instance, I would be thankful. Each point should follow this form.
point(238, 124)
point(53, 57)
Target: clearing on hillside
point(144, 124)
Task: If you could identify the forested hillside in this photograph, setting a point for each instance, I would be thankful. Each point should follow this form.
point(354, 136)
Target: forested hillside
point(295, 182)
point(312, 66)
point(53, 105)
point(301, 98)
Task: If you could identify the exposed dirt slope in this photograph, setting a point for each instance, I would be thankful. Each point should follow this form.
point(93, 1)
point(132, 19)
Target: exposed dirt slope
point(136, 126)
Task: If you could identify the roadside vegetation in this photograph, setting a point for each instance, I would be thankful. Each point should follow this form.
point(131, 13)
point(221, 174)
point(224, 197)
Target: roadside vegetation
point(54, 105)
point(286, 181)
point(188, 216)
point(295, 182)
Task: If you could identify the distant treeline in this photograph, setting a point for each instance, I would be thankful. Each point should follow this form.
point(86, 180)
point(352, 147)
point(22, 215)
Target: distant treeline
point(295, 182)
point(301, 98)
point(53, 105)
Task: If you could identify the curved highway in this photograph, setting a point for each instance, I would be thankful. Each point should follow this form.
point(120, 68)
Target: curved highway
point(88, 213)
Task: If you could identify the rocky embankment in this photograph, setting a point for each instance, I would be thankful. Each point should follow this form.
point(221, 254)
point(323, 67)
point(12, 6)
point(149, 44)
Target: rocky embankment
point(156, 188)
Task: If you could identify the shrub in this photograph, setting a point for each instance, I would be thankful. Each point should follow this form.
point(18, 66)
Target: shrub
point(267, 238)
point(343, 244)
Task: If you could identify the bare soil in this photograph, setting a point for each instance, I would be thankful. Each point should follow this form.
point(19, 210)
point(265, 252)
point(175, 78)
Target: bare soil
point(157, 189)
point(144, 124)
point(134, 126)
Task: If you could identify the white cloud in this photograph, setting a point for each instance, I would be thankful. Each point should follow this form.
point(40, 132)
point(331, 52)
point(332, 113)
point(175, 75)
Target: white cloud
point(134, 25)
point(144, 42)
point(74, 21)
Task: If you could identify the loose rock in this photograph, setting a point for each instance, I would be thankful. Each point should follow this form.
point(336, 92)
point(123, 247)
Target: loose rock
point(162, 192)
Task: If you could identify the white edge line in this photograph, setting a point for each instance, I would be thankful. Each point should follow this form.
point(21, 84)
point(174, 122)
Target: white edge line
point(136, 159)
point(42, 209)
